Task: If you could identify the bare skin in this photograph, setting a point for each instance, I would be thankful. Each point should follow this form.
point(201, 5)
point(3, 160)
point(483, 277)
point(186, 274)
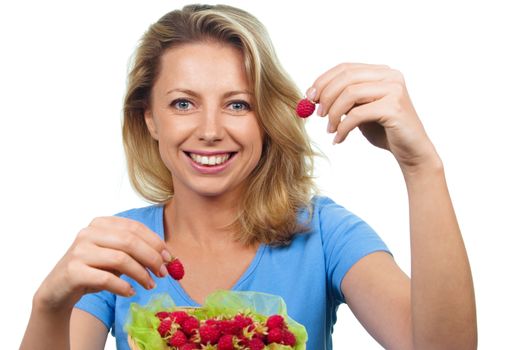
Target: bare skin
point(433, 310)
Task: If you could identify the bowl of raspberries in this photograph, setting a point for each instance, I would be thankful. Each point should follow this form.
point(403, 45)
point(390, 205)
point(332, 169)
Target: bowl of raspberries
point(228, 320)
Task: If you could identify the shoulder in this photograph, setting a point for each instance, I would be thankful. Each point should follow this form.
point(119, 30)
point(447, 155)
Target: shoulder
point(337, 224)
point(326, 210)
point(142, 212)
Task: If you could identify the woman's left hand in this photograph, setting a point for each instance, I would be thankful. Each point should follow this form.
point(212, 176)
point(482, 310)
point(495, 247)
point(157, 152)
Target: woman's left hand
point(374, 98)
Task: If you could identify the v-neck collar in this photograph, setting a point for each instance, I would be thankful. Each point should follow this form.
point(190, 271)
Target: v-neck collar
point(160, 229)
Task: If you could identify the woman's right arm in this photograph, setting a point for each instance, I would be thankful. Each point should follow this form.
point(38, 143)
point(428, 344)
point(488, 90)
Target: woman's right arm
point(107, 248)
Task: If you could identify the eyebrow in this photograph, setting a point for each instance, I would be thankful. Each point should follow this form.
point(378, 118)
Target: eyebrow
point(196, 94)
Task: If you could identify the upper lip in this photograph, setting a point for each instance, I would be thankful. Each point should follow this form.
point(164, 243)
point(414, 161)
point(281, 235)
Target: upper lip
point(208, 153)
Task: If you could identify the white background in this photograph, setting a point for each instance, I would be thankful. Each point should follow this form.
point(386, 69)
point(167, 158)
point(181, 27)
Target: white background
point(62, 78)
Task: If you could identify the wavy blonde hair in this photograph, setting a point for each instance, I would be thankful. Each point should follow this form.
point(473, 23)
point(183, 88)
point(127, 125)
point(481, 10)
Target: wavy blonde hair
point(282, 183)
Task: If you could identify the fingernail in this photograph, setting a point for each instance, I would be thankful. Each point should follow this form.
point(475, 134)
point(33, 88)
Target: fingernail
point(336, 139)
point(311, 94)
point(163, 270)
point(320, 110)
point(131, 292)
point(166, 255)
point(152, 284)
point(328, 128)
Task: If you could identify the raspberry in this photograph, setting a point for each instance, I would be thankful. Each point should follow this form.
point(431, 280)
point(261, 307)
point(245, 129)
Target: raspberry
point(305, 108)
point(275, 321)
point(178, 339)
point(243, 321)
point(288, 338)
point(190, 325)
point(188, 346)
point(230, 327)
point(178, 316)
point(256, 344)
point(162, 315)
point(175, 269)
point(275, 335)
point(209, 334)
point(164, 327)
point(226, 342)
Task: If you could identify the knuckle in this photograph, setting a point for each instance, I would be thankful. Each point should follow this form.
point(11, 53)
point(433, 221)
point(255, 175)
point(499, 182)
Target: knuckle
point(324, 97)
point(83, 234)
point(96, 221)
point(118, 258)
point(134, 226)
point(397, 90)
point(155, 261)
point(76, 252)
point(345, 65)
point(397, 76)
point(103, 280)
point(349, 92)
point(129, 241)
point(353, 113)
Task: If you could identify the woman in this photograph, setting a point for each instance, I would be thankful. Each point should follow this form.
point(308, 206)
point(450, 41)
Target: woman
point(211, 137)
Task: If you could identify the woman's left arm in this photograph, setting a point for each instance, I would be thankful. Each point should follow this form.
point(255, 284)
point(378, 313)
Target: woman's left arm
point(436, 308)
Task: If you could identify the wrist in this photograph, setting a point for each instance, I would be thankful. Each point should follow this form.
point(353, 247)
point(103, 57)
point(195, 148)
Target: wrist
point(423, 174)
point(44, 303)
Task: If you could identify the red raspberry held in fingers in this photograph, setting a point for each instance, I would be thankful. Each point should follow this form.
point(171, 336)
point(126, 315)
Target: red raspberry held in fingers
point(305, 108)
point(175, 269)
point(178, 339)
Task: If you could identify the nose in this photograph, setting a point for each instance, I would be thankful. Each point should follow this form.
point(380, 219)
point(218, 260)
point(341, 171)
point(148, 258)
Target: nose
point(210, 129)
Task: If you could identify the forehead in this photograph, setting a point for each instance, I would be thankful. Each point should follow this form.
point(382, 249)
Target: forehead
point(203, 65)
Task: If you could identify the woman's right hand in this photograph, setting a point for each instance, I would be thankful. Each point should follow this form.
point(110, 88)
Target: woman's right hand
point(107, 248)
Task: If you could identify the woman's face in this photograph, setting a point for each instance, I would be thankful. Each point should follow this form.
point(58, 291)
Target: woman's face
point(203, 117)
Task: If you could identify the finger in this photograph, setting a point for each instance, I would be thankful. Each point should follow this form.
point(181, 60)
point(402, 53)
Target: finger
point(131, 244)
point(370, 112)
point(325, 78)
point(93, 280)
point(115, 261)
point(135, 239)
point(330, 92)
point(352, 96)
point(133, 226)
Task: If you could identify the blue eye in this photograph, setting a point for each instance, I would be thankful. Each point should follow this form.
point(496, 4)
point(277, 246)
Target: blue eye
point(181, 104)
point(239, 106)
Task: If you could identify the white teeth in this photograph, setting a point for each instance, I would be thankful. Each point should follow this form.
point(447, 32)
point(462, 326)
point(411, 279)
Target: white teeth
point(210, 160)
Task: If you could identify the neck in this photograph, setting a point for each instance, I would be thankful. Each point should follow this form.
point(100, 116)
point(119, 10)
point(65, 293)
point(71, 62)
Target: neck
point(200, 219)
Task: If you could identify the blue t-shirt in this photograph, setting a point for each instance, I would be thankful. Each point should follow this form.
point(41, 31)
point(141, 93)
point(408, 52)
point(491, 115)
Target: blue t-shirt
point(307, 274)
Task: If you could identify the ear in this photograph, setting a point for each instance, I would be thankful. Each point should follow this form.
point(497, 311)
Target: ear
point(151, 124)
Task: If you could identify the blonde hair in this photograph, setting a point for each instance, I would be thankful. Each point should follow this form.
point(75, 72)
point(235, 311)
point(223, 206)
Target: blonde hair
point(282, 183)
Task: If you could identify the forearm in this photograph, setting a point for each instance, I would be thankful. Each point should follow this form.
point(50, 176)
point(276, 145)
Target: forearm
point(47, 329)
point(443, 301)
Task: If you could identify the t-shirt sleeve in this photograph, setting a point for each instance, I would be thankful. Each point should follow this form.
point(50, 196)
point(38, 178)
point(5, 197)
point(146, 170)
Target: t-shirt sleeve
point(100, 305)
point(346, 239)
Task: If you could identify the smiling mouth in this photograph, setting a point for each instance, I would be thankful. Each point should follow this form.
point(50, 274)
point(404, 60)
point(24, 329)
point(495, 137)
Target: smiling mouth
point(210, 161)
